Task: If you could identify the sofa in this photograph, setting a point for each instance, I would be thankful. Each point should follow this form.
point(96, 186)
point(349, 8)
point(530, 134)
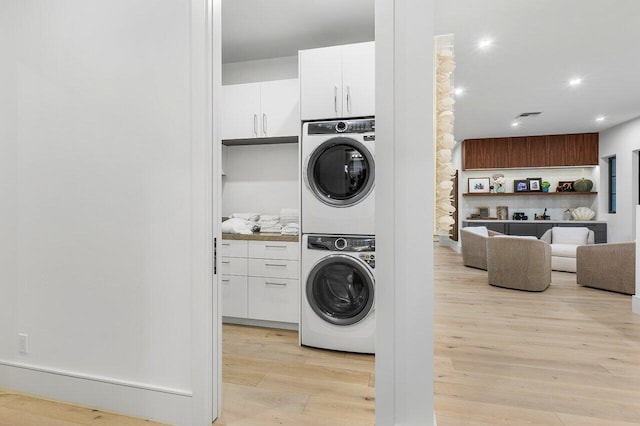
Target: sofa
point(564, 242)
point(610, 266)
point(473, 241)
point(519, 263)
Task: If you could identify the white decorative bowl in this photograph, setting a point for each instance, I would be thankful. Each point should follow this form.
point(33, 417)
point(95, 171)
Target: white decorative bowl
point(583, 213)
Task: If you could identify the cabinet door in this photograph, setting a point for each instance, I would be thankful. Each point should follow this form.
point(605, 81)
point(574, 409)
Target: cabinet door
point(272, 299)
point(358, 80)
point(274, 250)
point(276, 268)
point(524, 229)
point(280, 108)
point(321, 83)
point(234, 296)
point(240, 111)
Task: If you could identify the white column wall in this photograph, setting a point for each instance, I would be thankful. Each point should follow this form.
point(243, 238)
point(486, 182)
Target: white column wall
point(404, 191)
point(622, 141)
point(96, 188)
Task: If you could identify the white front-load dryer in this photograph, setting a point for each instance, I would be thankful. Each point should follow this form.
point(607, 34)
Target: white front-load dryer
point(338, 168)
point(338, 293)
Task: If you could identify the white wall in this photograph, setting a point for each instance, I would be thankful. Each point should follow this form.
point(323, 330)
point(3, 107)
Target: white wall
point(404, 156)
point(95, 182)
point(260, 70)
point(260, 178)
point(622, 141)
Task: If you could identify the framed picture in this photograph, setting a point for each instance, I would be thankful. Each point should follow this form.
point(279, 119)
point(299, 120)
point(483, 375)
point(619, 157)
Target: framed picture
point(479, 185)
point(565, 186)
point(502, 212)
point(521, 185)
point(484, 211)
point(535, 184)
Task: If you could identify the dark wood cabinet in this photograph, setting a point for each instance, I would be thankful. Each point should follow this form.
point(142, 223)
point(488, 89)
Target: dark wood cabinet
point(536, 229)
point(579, 149)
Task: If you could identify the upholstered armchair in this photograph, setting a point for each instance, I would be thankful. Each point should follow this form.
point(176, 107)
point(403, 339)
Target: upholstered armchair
point(564, 241)
point(610, 266)
point(474, 245)
point(519, 263)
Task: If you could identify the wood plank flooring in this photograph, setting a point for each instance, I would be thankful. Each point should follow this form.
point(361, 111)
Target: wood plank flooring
point(568, 356)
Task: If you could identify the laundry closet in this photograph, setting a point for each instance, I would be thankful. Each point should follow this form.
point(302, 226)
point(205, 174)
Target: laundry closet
point(297, 137)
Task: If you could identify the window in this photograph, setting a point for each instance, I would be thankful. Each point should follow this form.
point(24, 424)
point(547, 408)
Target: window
point(612, 184)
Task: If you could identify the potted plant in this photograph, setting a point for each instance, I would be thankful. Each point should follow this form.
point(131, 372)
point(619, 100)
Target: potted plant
point(545, 186)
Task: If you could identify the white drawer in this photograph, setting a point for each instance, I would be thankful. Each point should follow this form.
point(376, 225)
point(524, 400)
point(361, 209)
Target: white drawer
point(233, 248)
point(274, 250)
point(275, 268)
point(274, 299)
point(234, 296)
point(233, 266)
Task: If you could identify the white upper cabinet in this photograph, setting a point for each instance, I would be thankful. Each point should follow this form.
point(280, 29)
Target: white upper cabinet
point(338, 81)
point(260, 110)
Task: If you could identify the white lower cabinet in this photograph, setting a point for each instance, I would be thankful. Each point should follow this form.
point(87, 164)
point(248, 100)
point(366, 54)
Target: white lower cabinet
point(273, 299)
point(260, 280)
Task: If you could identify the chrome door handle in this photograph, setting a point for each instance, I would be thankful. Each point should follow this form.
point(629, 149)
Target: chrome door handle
point(255, 124)
point(348, 99)
point(335, 99)
point(264, 124)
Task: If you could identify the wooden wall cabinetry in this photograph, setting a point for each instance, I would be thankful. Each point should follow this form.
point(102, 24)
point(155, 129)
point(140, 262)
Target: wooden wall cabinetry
point(579, 149)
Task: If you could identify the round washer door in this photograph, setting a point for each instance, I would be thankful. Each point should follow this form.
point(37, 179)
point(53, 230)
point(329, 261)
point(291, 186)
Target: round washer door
point(340, 290)
point(340, 172)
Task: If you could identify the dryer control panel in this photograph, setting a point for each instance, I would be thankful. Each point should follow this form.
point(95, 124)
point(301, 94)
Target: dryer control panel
point(346, 243)
point(365, 125)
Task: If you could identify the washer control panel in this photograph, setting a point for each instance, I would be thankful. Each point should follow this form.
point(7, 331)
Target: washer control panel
point(348, 243)
point(365, 125)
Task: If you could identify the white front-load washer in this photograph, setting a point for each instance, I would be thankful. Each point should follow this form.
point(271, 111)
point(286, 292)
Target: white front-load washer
point(338, 168)
point(338, 293)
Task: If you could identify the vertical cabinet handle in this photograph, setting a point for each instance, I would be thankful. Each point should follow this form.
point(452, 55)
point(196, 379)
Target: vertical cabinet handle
point(255, 124)
point(335, 99)
point(348, 99)
point(264, 124)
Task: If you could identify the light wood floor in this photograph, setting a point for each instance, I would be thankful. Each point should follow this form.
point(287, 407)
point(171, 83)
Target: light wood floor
point(567, 356)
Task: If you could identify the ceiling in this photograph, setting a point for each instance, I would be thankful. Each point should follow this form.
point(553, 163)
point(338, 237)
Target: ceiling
point(538, 47)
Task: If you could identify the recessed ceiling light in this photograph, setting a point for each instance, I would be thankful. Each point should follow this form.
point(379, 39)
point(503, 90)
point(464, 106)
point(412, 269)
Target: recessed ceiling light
point(577, 81)
point(515, 124)
point(600, 118)
point(459, 91)
point(485, 43)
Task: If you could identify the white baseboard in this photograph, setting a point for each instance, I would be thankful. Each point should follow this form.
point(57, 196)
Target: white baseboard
point(134, 399)
point(260, 323)
point(635, 304)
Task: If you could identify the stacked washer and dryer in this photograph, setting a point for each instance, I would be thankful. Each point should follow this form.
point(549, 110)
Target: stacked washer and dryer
point(338, 235)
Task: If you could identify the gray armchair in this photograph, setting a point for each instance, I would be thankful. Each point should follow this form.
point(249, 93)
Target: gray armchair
point(473, 241)
point(610, 266)
point(520, 263)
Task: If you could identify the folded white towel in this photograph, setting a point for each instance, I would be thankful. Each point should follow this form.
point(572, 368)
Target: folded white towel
point(291, 229)
point(269, 218)
point(247, 216)
point(271, 228)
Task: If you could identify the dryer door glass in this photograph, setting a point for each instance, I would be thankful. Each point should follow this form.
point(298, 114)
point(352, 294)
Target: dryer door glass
point(341, 172)
point(340, 290)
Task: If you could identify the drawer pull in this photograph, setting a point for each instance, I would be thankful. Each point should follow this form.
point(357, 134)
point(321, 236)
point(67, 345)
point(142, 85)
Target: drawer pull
point(279, 265)
point(226, 280)
point(273, 283)
point(226, 261)
point(275, 246)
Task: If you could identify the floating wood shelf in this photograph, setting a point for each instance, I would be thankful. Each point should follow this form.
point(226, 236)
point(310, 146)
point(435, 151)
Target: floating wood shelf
point(521, 194)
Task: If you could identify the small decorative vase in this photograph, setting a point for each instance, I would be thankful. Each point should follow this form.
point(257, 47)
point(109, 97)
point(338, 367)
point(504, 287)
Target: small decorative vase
point(545, 189)
point(583, 185)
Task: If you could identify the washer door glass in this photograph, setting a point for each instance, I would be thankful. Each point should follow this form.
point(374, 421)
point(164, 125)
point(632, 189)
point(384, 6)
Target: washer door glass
point(340, 290)
point(340, 172)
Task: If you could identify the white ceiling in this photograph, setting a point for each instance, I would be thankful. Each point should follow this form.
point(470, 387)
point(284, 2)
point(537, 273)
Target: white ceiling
point(539, 46)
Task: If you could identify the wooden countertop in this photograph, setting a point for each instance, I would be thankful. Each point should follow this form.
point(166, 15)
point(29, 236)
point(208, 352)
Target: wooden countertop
point(258, 236)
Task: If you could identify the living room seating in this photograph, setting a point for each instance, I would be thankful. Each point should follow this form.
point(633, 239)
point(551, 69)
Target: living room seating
point(520, 263)
point(473, 241)
point(564, 241)
point(610, 266)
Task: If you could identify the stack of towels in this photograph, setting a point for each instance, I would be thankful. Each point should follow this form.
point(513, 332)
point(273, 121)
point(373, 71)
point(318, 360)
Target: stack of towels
point(270, 223)
point(290, 220)
point(287, 223)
